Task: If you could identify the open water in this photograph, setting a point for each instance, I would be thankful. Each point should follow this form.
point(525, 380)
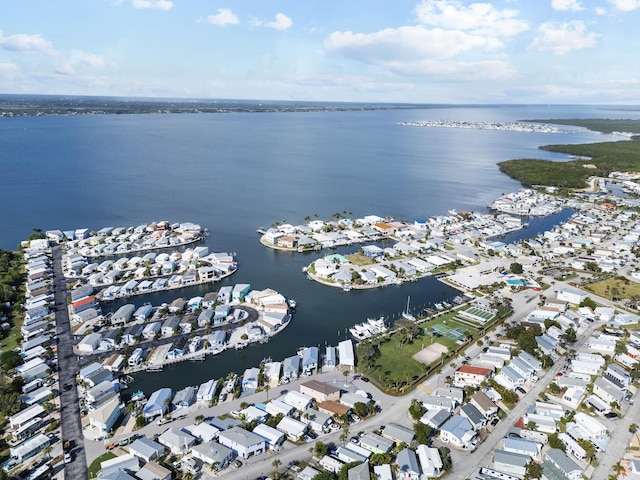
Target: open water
point(235, 172)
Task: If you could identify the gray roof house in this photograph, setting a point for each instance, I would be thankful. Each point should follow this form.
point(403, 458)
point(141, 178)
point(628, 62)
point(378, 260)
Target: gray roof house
point(177, 441)
point(559, 461)
point(408, 467)
point(185, 397)
point(376, 443)
point(510, 462)
point(243, 443)
point(291, 367)
point(398, 433)
point(359, 472)
point(475, 417)
point(146, 449)
point(435, 418)
point(484, 404)
point(212, 453)
point(310, 359)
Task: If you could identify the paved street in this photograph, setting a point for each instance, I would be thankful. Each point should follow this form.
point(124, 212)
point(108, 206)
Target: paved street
point(68, 368)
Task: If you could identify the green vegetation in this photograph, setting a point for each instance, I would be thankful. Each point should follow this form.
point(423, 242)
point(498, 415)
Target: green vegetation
point(616, 288)
point(94, 468)
point(11, 294)
point(604, 125)
point(359, 259)
point(604, 156)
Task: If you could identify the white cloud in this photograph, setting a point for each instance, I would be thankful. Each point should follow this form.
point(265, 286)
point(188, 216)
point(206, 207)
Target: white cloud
point(21, 42)
point(477, 17)
point(9, 70)
point(564, 5)
point(153, 4)
point(66, 70)
point(456, 71)
point(224, 17)
point(91, 59)
point(625, 5)
point(600, 11)
point(406, 44)
point(281, 22)
point(564, 38)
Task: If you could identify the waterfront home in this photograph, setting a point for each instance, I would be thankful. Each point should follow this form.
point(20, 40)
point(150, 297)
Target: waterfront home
point(146, 449)
point(458, 432)
point(105, 417)
point(214, 454)
point(185, 397)
point(102, 392)
point(329, 357)
point(309, 361)
point(143, 312)
point(320, 391)
point(243, 443)
point(291, 367)
point(217, 339)
point(157, 403)
point(206, 391)
point(346, 355)
point(124, 314)
point(292, 428)
point(273, 438)
point(209, 300)
point(408, 467)
point(250, 379)
point(178, 441)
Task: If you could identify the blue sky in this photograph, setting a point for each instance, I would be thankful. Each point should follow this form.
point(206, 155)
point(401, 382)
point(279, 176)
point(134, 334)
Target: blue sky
point(422, 51)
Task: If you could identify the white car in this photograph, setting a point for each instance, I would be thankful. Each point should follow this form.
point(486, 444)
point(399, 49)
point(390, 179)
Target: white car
point(67, 457)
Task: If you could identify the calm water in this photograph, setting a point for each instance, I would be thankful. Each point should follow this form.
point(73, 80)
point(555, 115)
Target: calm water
point(233, 173)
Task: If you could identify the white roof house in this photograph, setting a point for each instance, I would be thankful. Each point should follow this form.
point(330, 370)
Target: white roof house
point(292, 428)
point(178, 441)
point(430, 460)
point(346, 356)
point(297, 400)
point(243, 443)
point(274, 407)
point(273, 438)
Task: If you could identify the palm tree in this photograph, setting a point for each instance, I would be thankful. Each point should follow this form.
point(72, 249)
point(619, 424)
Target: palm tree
point(618, 468)
point(345, 374)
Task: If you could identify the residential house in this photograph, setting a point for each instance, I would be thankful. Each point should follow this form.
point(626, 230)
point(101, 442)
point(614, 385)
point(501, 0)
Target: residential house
point(468, 375)
point(458, 432)
point(146, 449)
point(320, 391)
point(178, 441)
point(213, 454)
point(243, 443)
point(408, 467)
point(398, 434)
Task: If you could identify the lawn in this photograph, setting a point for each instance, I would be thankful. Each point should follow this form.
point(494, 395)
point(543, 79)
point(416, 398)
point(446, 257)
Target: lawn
point(94, 468)
point(615, 288)
point(394, 366)
point(360, 260)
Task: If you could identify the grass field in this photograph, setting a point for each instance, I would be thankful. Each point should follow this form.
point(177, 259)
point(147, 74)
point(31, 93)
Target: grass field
point(615, 288)
point(359, 259)
point(94, 468)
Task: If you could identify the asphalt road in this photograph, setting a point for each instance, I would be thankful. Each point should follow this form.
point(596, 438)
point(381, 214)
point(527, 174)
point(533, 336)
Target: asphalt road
point(68, 368)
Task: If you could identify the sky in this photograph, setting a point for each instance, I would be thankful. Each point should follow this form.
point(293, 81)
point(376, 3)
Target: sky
point(419, 51)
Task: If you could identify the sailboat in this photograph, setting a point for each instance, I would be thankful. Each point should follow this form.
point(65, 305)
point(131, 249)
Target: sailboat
point(407, 314)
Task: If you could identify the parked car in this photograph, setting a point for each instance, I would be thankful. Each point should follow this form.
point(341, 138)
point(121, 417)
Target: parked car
point(312, 435)
point(236, 463)
point(611, 415)
point(67, 457)
point(521, 390)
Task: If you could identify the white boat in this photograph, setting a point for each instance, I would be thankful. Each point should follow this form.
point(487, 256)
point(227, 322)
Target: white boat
point(407, 314)
point(346, 287)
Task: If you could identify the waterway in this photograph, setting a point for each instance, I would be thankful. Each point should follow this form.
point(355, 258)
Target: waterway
point(233, 173)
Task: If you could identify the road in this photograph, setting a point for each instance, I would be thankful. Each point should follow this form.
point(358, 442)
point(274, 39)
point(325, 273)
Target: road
point(68, 367)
